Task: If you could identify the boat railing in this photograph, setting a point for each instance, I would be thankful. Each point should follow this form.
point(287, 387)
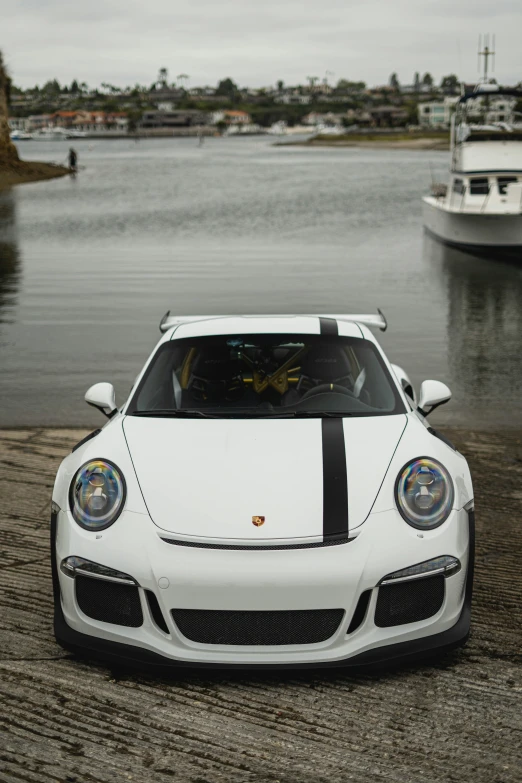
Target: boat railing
point(465, 189)
point(485, 202)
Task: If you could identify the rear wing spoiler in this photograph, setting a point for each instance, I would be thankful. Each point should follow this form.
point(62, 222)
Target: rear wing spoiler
point(376, 321)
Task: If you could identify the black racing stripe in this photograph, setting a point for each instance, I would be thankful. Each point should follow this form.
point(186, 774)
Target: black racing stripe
point(329, 326)
point(335, 480)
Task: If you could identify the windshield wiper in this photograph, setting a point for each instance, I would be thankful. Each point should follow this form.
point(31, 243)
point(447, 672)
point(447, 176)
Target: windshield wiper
point(166, 413)
point(246, 413)
point(325, 414)
point(308, 414)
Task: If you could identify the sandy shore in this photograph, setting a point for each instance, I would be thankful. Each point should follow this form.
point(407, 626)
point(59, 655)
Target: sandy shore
point(17, 172)
point(454, 719)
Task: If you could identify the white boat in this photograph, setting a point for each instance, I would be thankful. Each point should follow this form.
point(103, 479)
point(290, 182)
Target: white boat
point(19, 135)
point(279, 128)
point(247, 129)
point(328, 130)
point(76, 134)
point(481, 207)
point(50, 134)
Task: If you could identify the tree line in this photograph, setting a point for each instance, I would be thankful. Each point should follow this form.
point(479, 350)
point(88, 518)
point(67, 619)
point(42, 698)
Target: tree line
point(449, 84)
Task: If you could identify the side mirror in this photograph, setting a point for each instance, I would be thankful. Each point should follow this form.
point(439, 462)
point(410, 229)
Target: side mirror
point(432, 394)
point(102, 396)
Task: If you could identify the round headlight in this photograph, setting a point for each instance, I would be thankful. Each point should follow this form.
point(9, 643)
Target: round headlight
point(97, 494)
point(424, 493)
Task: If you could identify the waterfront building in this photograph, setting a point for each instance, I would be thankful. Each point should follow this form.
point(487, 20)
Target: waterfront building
point(93, 122)
point(18, 123)
point(293, 98)
point(315, 119)
point(388, 116)
point(179, 118)
point(63, 119)
point(37, 121)
point(164, 93)
point(231, 117)
point(437, 114)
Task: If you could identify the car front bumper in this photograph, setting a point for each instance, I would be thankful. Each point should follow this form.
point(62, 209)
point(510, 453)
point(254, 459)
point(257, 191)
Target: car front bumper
point(322, 578)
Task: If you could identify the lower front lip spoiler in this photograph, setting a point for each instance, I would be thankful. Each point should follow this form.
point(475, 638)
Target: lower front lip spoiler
point(132, 657)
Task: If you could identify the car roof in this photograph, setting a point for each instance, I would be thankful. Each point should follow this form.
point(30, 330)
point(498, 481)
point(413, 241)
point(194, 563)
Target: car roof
point(260, 324)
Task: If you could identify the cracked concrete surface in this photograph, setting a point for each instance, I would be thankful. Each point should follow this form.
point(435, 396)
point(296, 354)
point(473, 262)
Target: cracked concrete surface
point(454, 719)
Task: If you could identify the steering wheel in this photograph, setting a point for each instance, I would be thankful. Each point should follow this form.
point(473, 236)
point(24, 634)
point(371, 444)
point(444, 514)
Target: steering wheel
point(324, 388)
point(203, 390)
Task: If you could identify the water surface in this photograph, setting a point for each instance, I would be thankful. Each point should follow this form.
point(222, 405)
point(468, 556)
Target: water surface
point(89, 265)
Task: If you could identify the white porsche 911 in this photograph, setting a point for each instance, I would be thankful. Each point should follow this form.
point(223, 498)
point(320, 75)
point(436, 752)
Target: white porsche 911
point(269, 495)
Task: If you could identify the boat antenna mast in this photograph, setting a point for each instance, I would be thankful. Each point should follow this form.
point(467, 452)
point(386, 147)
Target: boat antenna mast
point(487, 52)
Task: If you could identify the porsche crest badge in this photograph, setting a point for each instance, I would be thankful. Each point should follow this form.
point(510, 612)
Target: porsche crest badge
point(258, 521)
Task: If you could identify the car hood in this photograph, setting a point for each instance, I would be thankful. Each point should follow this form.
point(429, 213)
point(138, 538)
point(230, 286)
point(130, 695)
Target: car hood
point(207, 478)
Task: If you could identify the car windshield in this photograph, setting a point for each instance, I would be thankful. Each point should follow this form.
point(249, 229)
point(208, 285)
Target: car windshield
point(269, 375)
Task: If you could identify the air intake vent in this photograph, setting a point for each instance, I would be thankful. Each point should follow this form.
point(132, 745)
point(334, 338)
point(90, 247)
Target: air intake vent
point(409, 602)
point(109, 602)
point(157, 614)
point(360, 611)
point(258, 628)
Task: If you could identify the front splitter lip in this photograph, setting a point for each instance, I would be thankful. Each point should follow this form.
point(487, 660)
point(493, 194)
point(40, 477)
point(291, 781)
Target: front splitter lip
point(137, 658)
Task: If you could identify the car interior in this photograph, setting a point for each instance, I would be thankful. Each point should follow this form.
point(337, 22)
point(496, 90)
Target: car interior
point(268, 372)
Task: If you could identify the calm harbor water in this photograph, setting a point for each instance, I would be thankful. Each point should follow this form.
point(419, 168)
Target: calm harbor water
point(89, 265)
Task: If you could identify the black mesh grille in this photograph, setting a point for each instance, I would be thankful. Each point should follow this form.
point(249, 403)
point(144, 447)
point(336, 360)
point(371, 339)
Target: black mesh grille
point(109, 602)
point(409, 602)
point(157, 614)
point(267, 628)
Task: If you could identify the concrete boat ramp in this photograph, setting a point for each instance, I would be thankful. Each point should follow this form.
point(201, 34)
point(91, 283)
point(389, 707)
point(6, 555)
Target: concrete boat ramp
point(456, 719)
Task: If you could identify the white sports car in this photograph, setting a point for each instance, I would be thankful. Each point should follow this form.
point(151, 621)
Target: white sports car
point(269, 495)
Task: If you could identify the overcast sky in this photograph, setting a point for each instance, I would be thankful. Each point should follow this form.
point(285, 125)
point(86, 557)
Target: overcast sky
point(125, 42)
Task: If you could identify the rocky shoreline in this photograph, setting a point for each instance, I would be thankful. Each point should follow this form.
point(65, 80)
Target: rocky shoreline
point(16, 172)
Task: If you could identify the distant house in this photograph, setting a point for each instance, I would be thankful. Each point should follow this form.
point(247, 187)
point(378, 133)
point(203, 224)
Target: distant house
point(199, 92)
point(100, 121)
point(37, 121)
point(63, 119)
point(88, 121)
point(388, 116)
point(315, 118)
point(207, 95)
point(231, 117)
point(499, 109)
point(379, 92)
point(359, 117)
point(436, 114)
point(417, 89)
point(165, 94)
point(166, 106)
point(293, 98)
point(18, 123)
point(179, 118)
